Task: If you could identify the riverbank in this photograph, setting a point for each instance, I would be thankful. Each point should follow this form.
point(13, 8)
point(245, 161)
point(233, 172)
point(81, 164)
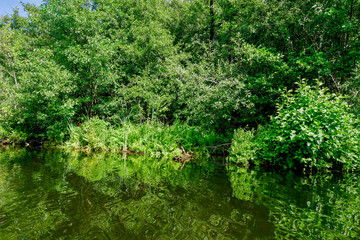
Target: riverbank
point(153, 139)
point(311, 129)
point(150, 138)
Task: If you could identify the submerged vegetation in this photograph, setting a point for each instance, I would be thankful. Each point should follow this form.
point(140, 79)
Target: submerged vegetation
point(186, 74)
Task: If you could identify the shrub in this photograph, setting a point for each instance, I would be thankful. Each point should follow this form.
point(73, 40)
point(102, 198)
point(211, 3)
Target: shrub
point(226, 95)
point(243, 148)
point(3, 133)
point(12, 136)
point(312, 128)
point(92, 134)
point(152, 138)
point(195, 137)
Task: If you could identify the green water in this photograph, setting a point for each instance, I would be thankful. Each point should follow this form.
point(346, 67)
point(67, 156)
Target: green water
point(72, 195)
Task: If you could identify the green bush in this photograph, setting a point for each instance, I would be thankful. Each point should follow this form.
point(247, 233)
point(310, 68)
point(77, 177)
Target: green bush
point(12, 136)
point(93, 134)
point(16, 137)
point(3, 133)
point(352, 88)
point(224, 96)
point(312, 128)
point(195, 137)
point(151, 138)
point(243, 148)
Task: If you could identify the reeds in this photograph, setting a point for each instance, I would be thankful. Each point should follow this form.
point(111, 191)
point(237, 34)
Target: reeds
point(151, 138)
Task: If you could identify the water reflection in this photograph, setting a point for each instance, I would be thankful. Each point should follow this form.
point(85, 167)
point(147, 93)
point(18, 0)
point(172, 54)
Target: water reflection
point(320, 206)
point(74, 195)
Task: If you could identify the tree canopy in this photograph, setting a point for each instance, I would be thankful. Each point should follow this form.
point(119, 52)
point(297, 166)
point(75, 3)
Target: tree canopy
point(219, 64)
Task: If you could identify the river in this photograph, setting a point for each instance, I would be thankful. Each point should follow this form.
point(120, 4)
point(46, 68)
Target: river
point(58, 194)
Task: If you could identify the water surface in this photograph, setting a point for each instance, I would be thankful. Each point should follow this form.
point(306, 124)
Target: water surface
point(74, 195)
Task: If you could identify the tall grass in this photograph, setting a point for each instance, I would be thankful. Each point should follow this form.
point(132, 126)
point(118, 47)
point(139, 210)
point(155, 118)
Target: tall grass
point(151, 138)
point(243, 148)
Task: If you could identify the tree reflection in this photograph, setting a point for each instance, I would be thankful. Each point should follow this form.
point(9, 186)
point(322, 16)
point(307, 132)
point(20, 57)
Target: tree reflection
point(74, 195)
point(319, 206)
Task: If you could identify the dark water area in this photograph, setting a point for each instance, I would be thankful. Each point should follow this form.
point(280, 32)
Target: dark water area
point(73, 195)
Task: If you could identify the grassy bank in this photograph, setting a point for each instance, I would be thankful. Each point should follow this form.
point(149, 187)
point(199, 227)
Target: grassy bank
point(311, 129)
point(151, 138)
point(154, 139)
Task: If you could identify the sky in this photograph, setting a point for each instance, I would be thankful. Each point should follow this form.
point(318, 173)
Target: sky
point(7, 6)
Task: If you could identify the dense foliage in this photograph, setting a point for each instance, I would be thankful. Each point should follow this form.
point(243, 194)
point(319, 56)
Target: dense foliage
point(311, 128)
point(218, 65)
